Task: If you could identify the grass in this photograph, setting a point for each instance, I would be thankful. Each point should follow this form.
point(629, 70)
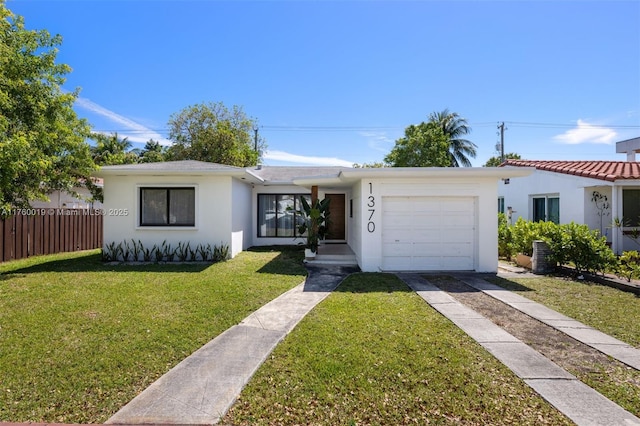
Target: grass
point(375, 353)
point(607, 309)
point(79, 338)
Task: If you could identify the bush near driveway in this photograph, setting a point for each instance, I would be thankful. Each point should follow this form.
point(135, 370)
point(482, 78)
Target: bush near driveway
point(570, 243)
point(80, 338)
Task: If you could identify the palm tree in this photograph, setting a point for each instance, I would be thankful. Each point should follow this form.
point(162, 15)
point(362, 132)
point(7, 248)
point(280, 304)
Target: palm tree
point(112, 150)
point(455, 127)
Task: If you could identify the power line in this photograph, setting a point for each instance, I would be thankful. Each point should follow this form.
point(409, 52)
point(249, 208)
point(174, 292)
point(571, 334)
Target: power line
point(294, 128)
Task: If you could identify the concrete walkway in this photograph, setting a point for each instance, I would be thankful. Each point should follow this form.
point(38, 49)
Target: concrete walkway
point(201, 388)
point(577, 401)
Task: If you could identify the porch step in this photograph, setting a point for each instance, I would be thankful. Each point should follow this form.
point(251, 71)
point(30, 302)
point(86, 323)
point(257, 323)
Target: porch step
point(333, 259)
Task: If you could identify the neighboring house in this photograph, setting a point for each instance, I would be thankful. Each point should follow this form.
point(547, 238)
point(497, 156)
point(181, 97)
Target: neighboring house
point(65, 200)
point(393, 219)
point(563, 192)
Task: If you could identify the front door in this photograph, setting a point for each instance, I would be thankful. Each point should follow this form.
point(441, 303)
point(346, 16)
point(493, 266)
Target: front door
point(336, 229)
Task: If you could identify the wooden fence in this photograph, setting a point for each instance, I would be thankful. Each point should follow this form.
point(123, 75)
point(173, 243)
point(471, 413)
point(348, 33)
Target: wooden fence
point(32, 232)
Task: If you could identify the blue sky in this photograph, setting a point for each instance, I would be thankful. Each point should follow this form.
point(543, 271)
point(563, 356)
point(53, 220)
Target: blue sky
point(337, 82)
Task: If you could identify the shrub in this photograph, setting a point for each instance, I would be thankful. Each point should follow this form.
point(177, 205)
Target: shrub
point(113, 252)
point(586, 249)
point(505, 248)
point(523, 234)
point(568, 243)
point(629, 265)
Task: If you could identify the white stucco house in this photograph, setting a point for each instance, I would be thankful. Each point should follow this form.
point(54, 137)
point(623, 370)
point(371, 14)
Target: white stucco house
point(563, 192)
point(392, 219)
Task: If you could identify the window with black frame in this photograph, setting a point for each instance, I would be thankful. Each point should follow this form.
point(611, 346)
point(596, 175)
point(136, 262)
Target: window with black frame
point(631, 207)
point(278, 215)
point(167, 206)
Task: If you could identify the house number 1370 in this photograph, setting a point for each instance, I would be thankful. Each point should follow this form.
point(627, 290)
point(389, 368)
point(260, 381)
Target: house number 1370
point(371, 203)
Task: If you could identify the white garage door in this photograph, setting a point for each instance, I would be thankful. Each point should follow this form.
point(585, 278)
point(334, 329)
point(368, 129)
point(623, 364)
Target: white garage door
point(428, 233)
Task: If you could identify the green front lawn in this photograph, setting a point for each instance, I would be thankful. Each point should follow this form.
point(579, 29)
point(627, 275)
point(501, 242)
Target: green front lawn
point(79, 339)
point(375, 353)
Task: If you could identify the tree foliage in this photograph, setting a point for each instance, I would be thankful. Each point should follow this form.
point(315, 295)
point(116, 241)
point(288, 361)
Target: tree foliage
point(152, 152)
point(42, 141)
point(496, 161)
point(212, 132)
point(423, 145)
point(455, 128)
point(110, 150)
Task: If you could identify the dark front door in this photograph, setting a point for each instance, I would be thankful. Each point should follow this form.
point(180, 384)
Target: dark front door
point(336, 229)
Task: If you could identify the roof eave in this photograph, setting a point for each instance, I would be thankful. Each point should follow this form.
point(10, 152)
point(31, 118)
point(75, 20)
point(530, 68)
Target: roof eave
point(421, 172)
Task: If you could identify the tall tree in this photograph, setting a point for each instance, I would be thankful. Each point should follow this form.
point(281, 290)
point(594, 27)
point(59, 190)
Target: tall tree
point(455, 128)
point(496, 161)
point(424, 145)
point(42, 141)
point(152, 152)
point(110, 150)
point(212, 132)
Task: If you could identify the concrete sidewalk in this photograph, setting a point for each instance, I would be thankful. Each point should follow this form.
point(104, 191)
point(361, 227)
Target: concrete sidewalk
point(201, 388)
point(577, 401)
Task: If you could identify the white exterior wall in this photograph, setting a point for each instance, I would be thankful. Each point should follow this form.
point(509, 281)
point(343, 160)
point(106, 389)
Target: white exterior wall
point(591, 213)
point(483, 190)
point(275, 189)
point(241, 218)
point(574, 193)
point(354, 222)
point(212, 219)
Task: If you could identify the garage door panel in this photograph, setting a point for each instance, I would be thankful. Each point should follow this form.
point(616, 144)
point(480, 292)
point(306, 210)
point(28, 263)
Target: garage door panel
point(458, 204)
point(395, 204)
point(425, 206)
point(457, 221)
point(395, 220)
point(426, 249)
point(456, 264)
point(438, 249)
point(397, 249)
point(398, 236)
point(458, 235)
point(428, 233)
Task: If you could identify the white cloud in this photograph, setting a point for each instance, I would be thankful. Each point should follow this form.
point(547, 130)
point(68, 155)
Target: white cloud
point(138, 132)
point(587, 133)
point(302, 159)
point(378, 141)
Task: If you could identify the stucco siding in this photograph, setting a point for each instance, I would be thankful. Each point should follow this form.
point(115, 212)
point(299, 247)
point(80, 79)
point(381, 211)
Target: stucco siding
point(241, 218)
point(213, 204)
point(354, 235)
point(572, 191)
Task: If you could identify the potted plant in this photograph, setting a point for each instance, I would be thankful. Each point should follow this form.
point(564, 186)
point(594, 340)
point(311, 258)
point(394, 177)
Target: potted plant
point(315, 223)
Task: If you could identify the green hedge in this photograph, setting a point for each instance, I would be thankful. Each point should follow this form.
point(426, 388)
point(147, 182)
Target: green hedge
point(571, 243)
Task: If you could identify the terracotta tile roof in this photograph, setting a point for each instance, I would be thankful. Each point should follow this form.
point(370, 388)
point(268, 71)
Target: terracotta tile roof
point(603, 170)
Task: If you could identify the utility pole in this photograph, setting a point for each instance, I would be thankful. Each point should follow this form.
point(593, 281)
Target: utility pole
point(255, 138)
point(501, 127)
